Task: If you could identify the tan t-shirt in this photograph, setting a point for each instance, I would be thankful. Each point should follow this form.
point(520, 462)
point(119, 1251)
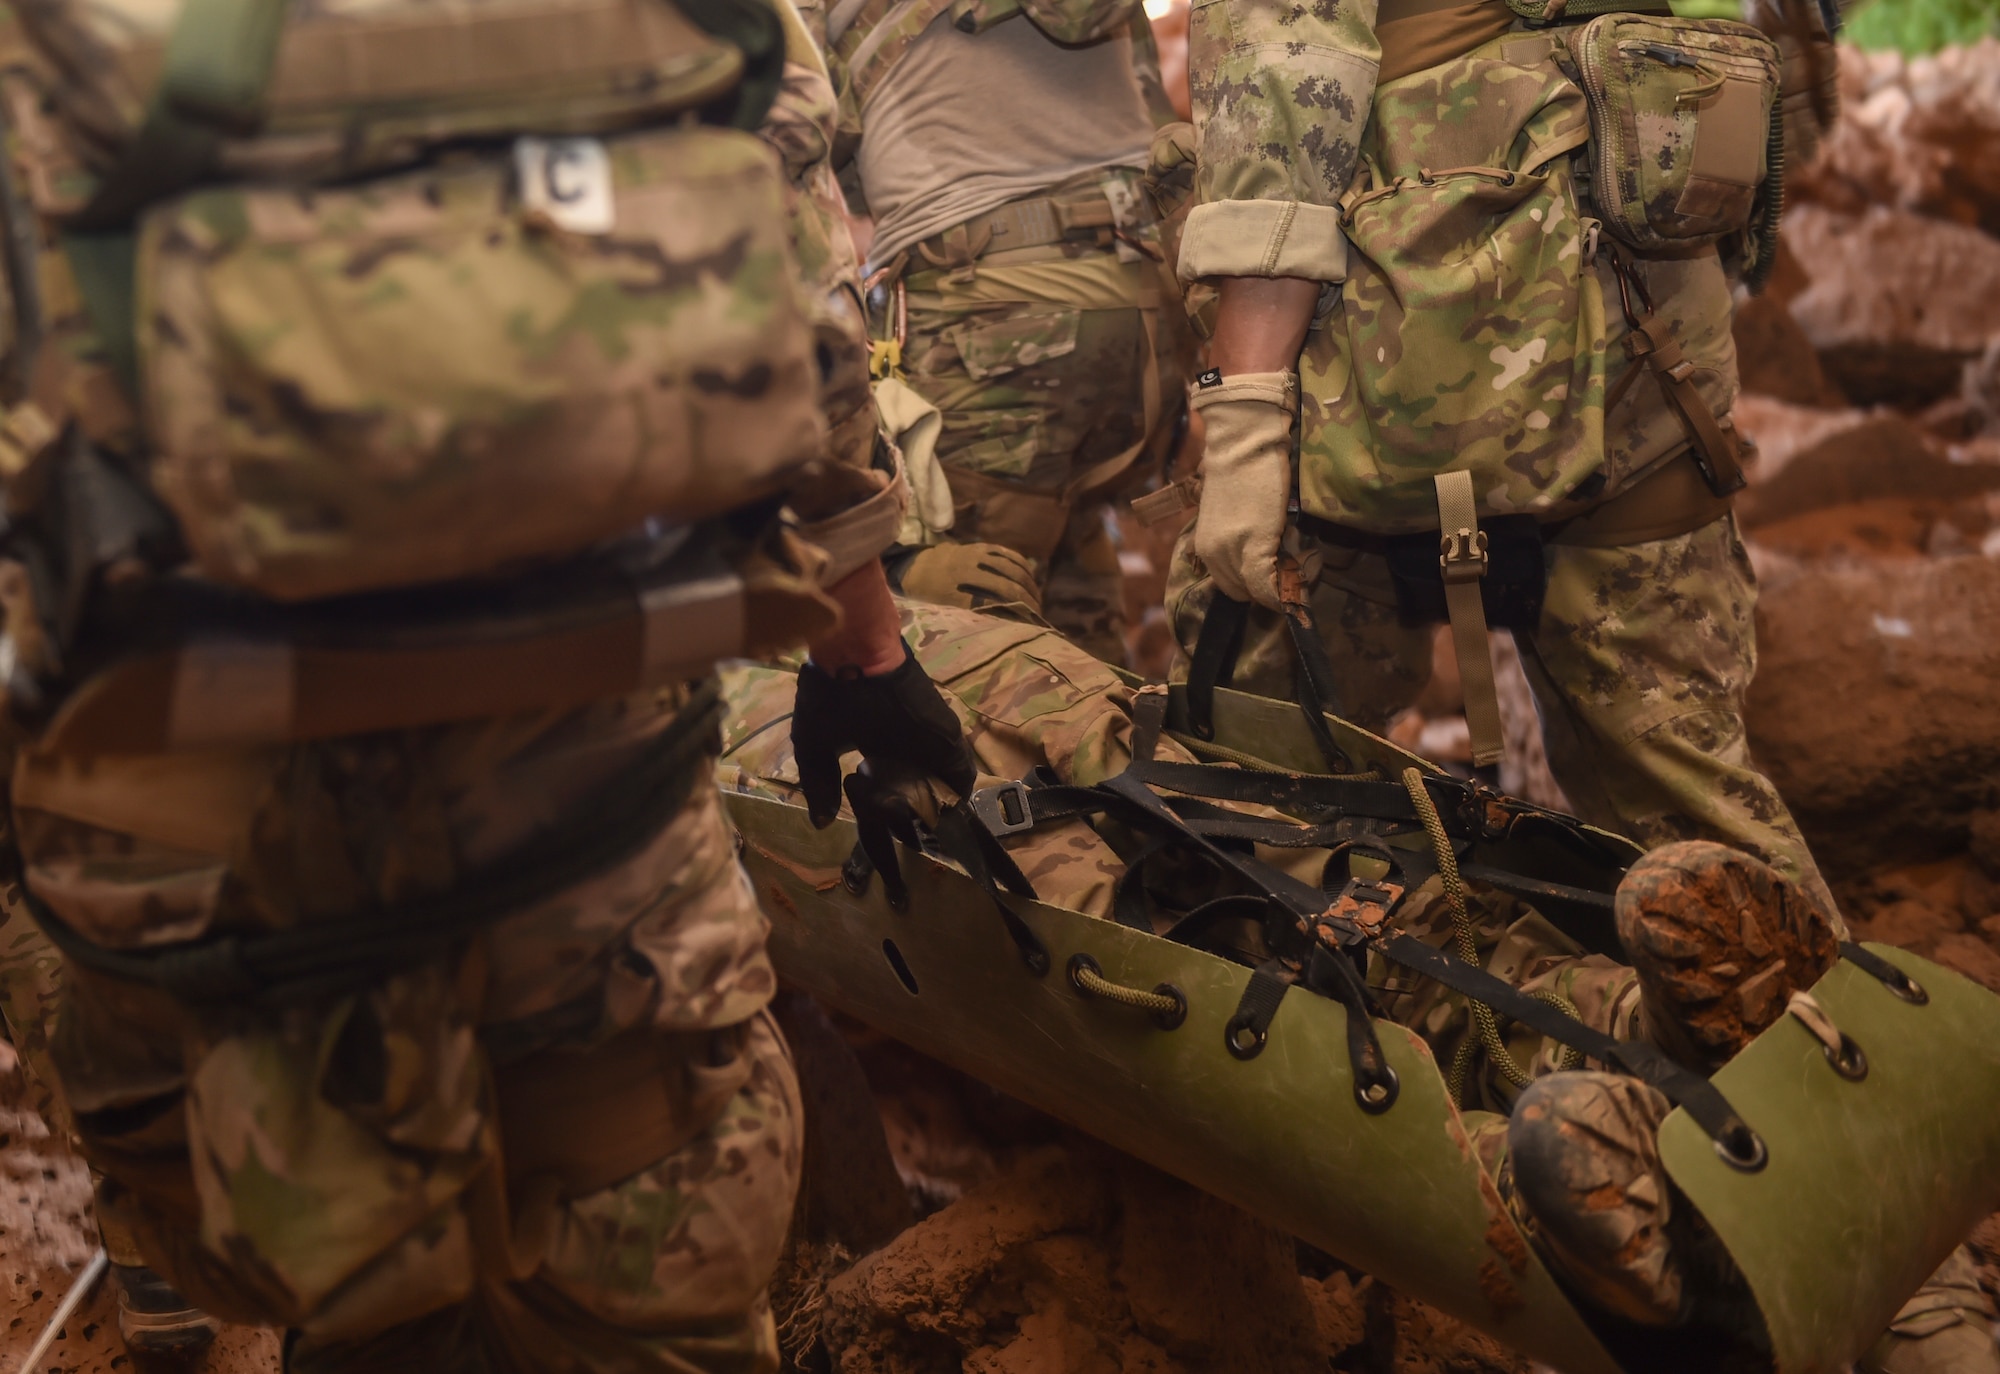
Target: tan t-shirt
point(964, 123)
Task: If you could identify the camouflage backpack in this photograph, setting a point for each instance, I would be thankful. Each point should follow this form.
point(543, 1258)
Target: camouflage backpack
point(408, 293)
point(1472, 334)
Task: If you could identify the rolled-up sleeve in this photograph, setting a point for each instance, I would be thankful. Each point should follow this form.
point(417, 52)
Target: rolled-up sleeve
point(1281, 93)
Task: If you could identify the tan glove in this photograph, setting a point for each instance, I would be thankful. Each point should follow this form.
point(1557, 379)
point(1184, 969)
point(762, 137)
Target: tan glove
point(1246, 480)
point(975, 576)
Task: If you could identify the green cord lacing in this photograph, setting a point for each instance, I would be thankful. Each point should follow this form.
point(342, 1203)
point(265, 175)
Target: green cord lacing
point(1485, 1025)
point(1095, 983)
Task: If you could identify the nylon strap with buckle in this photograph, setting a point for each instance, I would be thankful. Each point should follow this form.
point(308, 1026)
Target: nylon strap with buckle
point(1462, 556)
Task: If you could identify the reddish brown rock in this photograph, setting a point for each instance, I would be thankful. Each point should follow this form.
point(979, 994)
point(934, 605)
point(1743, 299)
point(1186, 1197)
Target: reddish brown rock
point(1873, 704)
point(1898, 304)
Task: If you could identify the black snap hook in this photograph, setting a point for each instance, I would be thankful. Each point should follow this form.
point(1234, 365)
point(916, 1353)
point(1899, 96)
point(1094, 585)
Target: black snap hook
point(1742, 1149)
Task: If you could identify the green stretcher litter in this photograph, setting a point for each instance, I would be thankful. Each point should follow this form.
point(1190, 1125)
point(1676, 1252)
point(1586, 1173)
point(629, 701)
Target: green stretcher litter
point(1868, 1178)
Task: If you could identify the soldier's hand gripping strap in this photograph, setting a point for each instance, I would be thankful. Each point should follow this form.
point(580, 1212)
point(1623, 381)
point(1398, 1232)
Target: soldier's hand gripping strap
point(1246, 479)
point(1220, 641)
point(897, 720)
point(1462, 557)
point(332, 957)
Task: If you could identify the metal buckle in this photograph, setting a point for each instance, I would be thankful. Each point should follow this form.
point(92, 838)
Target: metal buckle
point(1462, 555)
point(1004, 809)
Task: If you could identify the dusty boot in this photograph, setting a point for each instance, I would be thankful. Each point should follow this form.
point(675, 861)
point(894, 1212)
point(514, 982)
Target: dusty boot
point(1585, 1177)
point(155, 1319)
point(1720, 941)
point(1945, 1328)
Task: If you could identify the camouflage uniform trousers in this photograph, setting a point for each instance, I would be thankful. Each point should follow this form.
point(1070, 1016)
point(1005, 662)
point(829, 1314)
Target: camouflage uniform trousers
point(1640, 666)
point(1039, 363)
point(442, 1170)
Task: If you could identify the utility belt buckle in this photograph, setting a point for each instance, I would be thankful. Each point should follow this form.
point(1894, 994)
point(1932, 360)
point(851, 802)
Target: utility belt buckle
point(1004, 809)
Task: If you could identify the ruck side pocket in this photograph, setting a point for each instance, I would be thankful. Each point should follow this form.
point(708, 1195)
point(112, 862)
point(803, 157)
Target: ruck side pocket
point(427, 376)
point(1683, 125)
point(1469, 333)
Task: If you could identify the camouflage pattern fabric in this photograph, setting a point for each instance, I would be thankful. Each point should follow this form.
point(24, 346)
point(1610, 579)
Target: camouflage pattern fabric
point(801, 127)
point(1027, 698)
point(1038, 360)
point(483, 384)
point(1640, 668)
point(336, 1166)
point(1684, 142)
point(1462, 190)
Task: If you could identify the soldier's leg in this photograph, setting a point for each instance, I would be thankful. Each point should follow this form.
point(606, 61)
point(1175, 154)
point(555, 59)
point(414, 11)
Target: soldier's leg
point(1034, 394)
point(1083, 594)
point(1380, 664)
point(1641, 666)
point(664, 1272)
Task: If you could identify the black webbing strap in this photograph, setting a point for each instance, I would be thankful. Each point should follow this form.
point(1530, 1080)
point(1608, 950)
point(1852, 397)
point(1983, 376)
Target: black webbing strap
point(1313, 684)
point(972, 846)
point(1521, 886)
point(1333, 974)
point(1734, 1140)
point(1468, 810)
point(1214, 661)
point(274, 968)
point(1305, 792)
point(1884, 972)
point(1149, 717)
point(1250, 1028)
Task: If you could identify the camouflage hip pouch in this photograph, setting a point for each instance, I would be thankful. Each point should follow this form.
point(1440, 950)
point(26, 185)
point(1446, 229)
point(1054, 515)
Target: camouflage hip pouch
point(1685, 125)
point(451, 371)
point(1469, 334)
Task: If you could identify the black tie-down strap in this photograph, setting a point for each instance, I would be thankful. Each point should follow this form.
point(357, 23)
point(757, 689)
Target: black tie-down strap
point(1314, 947)
point(1213, 665)
point(882, 816)
point(1885, 973)
point(1735, 1142)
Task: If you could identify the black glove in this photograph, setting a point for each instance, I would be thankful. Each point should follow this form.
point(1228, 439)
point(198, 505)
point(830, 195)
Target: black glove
point(896, 719)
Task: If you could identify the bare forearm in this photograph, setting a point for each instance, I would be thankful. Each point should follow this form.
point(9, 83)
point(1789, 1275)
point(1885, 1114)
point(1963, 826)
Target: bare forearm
point(1261, 323)
point(870, 637)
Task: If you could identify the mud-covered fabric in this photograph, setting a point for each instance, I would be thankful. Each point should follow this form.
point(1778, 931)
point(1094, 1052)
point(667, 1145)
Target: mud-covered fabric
point(1640, 666)
point(334, 1166)
point(1039, 370)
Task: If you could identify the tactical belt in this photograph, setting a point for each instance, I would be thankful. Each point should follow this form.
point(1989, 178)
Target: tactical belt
point(335, 956)
point(1315, 934)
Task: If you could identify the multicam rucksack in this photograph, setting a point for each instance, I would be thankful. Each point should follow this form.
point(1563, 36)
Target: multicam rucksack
point(409, 293)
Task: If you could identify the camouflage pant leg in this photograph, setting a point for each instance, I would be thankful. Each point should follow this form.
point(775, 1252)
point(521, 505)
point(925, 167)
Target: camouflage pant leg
point(30, 975)
point(1033, 394)
point(330, 1164)
point(1641, 666)
point(1380, 665)
point(1523, 949)
point(664, 1272)
point(1083, 595)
